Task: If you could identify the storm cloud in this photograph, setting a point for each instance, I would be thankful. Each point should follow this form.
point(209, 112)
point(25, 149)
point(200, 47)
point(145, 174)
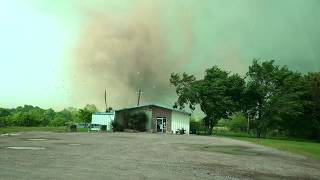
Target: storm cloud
point(124, 51)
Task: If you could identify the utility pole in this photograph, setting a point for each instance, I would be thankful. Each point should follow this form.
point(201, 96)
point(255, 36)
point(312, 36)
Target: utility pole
point(139, 96)
point(105, 100)
point(248, 123)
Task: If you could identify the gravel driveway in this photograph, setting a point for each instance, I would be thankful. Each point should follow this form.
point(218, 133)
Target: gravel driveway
point(45, 155)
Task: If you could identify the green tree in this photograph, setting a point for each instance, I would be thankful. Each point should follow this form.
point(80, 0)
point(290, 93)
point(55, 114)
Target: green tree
point(237, 122)
point(312, 84)
point(49, 115)
point(85, 114)
point(218, 94)
point(58, 120)
point(4, 115)
point(91, 107)
point(74, 114)
point(26, 116)
point(274, 97)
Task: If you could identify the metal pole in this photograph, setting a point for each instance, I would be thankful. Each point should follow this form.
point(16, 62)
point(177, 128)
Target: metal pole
point(248, 124)
point(139, 95)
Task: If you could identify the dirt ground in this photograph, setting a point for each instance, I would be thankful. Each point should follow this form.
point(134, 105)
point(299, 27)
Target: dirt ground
point(144, 156)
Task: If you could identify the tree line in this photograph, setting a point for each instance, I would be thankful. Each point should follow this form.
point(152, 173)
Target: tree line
point(273, 98)
point(28, 115)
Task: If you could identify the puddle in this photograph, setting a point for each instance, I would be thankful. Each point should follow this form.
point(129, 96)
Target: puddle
point(37, 139)
point(71, 144)
point(10, 134)
point(25, 148)
point(234, 150)
point(121, 137)
point(74, 144)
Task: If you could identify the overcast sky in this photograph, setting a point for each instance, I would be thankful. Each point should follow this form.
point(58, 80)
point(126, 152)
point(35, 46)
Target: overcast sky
point(65, 53)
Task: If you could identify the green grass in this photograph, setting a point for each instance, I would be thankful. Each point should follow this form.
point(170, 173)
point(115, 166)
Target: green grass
point(303, 147)
point(26, 129)
point(48, 129)
point(308, 149)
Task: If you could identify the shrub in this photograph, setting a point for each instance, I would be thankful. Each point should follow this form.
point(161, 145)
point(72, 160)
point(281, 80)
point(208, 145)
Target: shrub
point(103, 128)
point(3, 122)
point(238, 122)
point(57, 121)
point(138, 121)
point(73, 128)
point(181, 131)
point(116, 126)
point(196, 127)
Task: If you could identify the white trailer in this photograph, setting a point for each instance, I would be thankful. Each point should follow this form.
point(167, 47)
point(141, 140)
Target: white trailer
point(102, 118)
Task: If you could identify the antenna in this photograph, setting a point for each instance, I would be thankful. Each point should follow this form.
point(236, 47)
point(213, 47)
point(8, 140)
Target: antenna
point(139, 96)
point(105, 100)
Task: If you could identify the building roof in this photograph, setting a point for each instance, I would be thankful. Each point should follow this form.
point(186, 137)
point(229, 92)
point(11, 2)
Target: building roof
point(154, 105)
point(103, 113)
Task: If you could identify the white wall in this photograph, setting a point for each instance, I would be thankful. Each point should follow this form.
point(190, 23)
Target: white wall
point(180, 120)
point(103, 119)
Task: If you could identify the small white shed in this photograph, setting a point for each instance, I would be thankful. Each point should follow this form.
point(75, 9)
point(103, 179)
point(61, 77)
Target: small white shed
point(102, 118)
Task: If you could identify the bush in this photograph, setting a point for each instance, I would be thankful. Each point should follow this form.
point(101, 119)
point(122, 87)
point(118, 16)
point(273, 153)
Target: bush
point(138, 121)
point(238, 122)
point(103, 128)
point(181, 131)
point(196, 127)
point(73, 128)
point(57, 121)
point(116, 126)
point(3, 122)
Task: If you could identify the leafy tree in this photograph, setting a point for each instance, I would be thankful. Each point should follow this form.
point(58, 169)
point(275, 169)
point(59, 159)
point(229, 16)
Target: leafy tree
point(238, 122)
point(274, 97)
point(74, 114)
point(4, 114)
point(85, 114)
point(91, 107)
point(196, 127)
point(48, 117)
point(58, 121)
point(218, 94)
point(312, 84)
point(26, 116)
point(66, 115)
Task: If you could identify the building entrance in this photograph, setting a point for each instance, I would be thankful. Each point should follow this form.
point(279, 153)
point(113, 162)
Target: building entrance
point(161, 124)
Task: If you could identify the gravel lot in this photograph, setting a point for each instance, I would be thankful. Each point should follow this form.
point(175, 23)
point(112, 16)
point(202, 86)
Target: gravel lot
point(144, 156)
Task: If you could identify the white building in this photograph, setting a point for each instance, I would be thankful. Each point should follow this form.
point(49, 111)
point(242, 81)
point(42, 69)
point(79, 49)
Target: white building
point(102, 118)
point(160, 119)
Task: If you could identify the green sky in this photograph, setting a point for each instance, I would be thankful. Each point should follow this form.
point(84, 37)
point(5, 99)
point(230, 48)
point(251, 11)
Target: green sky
point(65, 53)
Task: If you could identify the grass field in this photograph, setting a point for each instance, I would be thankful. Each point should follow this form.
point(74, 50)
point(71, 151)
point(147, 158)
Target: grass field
point(299, 146)
point(308, 149)
point(47, 129)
